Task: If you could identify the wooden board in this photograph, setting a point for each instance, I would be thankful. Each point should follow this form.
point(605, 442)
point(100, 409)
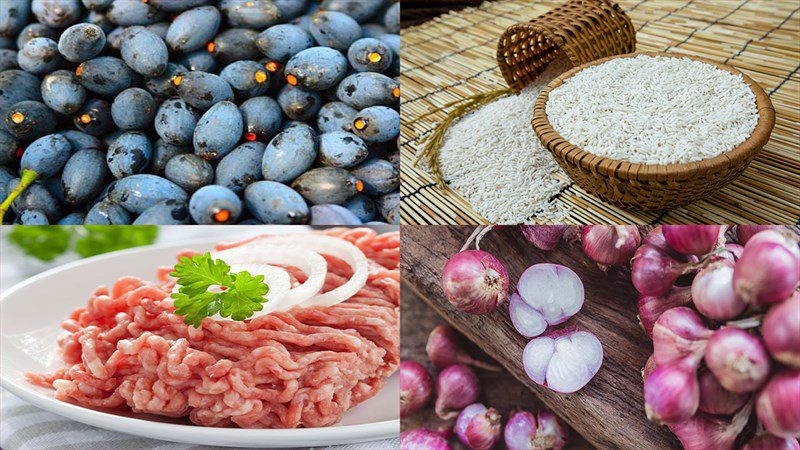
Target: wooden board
point(499, 390)
point(609, 411)
point(453, 56)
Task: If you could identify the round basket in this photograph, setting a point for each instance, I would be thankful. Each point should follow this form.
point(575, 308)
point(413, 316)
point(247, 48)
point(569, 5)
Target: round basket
point(652, 187)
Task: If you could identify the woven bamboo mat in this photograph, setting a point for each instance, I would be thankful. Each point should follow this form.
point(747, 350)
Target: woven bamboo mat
point(454, 56)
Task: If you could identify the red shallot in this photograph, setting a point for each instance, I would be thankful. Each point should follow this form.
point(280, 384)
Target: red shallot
point(478, 427)
point(456, 387)
point(783, 237)
point(696, 240)
point(781, 331)
point(679, 332)
point(563, 360)
point(416, 386)
point(767, 441)
point(715, 399)
point(475, 282)
point(422, 439)
point(654, 270)
point(737, 359)
point(776, 404)
point(713, 294)
point(651, 308)
point(544, 237)
point(610, 245)
point(704, 432)
point(649, 367)
point(745, 232)
point(524, 432)
point(671, 391)
point(767, 273)
point(547, 294)
point(444, 349)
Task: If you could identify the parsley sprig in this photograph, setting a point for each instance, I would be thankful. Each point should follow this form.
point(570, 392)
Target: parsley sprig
point(242, 293)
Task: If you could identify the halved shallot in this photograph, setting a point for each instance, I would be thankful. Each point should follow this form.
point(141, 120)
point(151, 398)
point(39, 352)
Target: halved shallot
point(547, 294)
point(563, 360)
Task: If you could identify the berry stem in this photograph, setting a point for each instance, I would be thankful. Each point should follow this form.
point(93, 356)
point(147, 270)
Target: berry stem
point(28, 177)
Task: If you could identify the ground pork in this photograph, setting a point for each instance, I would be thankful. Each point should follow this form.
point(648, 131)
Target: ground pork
point(301, 368)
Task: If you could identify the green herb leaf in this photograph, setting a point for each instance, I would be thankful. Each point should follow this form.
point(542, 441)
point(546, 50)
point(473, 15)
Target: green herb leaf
point(43, 242)
point(196, 274)
point(97, 239)
point(244, 298)
point(195, 308)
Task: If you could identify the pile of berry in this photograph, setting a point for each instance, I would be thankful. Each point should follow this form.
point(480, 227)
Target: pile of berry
point(199, 111)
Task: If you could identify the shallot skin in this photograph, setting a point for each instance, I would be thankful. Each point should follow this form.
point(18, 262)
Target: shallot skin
point(651, 308)
point(781, 331)
point(475, 282)
point(444, 349)
point(767, 273)
point(715, 399)
point(694, 239)
point(544, 237)
point(478, 427)
point(610, 245)
point(654, 271)
point(770, 442)
point(523, 433)
point(713, 293)
point(679, 332)
point(776, 404)
point(672, 392)
point(745, 232)
point(422, 439)
point(737, 359)
point(416, 387)
point(456, 387)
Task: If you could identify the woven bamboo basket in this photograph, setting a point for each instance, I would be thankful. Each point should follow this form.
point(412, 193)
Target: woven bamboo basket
point(652, 187)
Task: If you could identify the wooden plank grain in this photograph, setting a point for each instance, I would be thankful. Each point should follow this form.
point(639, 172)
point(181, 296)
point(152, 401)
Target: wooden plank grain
point(609, 410)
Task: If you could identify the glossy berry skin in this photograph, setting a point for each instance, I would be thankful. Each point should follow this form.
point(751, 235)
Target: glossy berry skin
point(316, 69)
point(241, 167)
point(378, 175)
point(275, 203)
point(10, 148)
point(389, 207)
point(193, 28)
point(94, 117)
point(75, 218)
point(133, 109)
point(129, 154)
point(327, 185)
point(247, 78)
point(139, 192)
point(176, 121)
point(255, 14)
point(203, 90)
point(107, 213)
point(106, 75)
point(299, 104)
point(360, 10)
point(17, 86)
point(334, 29)
point(262, 118)
point(199, 61)
point(332, 215)
point(168, 212)
point(218, 131)
point(133, 12)
point(176, 6)
point(235, 44)
point(82, 141)
point(162, 87)
point(145, 52)
point(13, 16)
point(84, 176)
point(34, 30)
point(393, 41)
point(189, 172)
point(391, 18)
point(57, 13)
point(281, 42)
point(289, 154)
point(163, 151)
point(29, 120)
point(39, 56)
point(372, 30)
point(341, 149)
point(35, 197)
point(362, 207)
point(335, 116)
point(62, 92)
point(377, 124)
point(369, 55)
point(290, 9)
point(81, 42)
point(33, 217)
point(215, 205)
point(8, 59)
point(362, 90)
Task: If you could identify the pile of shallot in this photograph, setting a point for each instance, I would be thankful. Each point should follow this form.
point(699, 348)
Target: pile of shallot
point(457, 393)
point(723, 311)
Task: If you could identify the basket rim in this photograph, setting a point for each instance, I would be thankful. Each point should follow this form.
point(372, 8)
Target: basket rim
point(563, 149)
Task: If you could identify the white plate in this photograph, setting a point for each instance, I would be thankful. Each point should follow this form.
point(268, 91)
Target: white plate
point(30, 317)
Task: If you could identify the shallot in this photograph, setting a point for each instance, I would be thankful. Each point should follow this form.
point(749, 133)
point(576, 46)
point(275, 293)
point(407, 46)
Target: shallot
point(704, 432)
point(715, 399)
point(416, 386)
point(422, 439)
point(524, 432)
point(783, 237)
point(651, 308)
point(696, 240)
point(444, 349)
point(456, 387)
point(713, 294)
point(475, 282)
point(776, 404)
point(563, 360)
point(547, 294)
point(737, 359)
point(610, 245)
point(767, 273)
point(543, 237)
point(745, 232)
point(654, 271)
point(679, 332)
point(672, 392)
point(649, 367)
point(478, 427)
point(781, 331)
point(767, 441)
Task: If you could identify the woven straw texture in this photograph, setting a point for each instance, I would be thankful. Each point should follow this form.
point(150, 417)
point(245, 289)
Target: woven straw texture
point(455, 56)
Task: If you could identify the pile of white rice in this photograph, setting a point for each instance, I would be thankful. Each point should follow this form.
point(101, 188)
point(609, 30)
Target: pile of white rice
point(494, 159)
point(654, 110)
